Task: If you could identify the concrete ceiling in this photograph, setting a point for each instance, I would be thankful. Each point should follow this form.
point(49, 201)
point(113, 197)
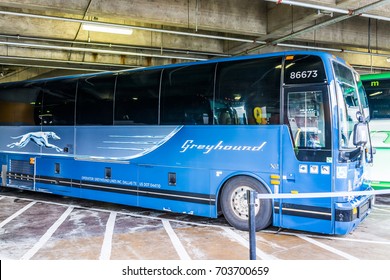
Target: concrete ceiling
point(45, 37)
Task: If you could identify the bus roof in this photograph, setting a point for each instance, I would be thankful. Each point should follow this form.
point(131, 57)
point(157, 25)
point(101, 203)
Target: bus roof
point(233, 58)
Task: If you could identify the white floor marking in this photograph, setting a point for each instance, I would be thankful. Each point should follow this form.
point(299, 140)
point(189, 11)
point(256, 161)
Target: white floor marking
point(245, 243)
point(209, 225)
point(181, 251)
point(328, 248)
point(105, 252)
point(16, 214)
point(386, 210)
point(42, 241)
point(329, 237)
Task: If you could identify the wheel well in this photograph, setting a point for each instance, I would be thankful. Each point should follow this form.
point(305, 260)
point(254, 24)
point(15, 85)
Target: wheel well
point(261, 181)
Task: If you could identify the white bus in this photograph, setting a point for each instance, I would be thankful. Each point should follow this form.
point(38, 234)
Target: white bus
point(377, 87)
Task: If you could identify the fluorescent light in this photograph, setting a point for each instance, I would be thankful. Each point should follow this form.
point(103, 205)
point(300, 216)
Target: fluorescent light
point(289, 65)
point(237, 97)
point(376, 93)
point(107, 29)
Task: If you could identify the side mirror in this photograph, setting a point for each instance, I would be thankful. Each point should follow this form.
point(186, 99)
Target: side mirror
point(360, 134)
point(360, 117)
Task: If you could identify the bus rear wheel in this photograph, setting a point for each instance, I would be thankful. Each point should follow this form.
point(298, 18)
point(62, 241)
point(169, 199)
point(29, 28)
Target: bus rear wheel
point(234, 203)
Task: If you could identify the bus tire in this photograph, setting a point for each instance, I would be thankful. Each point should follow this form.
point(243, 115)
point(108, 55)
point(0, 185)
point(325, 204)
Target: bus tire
point(234, 203)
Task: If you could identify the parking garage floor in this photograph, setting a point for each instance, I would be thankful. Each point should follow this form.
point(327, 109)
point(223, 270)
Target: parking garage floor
point(46, 227)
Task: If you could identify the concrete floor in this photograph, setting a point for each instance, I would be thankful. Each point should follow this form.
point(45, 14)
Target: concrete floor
point(44, 227)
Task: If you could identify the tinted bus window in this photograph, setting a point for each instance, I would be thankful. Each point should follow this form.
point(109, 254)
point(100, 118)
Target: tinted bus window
point(186, 95)
point(137, 97)
point(248, 92)
point(59, 102)
point(94, 104)
point(20, 104)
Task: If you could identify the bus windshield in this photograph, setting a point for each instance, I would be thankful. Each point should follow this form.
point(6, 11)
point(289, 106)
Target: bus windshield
point(349, 99)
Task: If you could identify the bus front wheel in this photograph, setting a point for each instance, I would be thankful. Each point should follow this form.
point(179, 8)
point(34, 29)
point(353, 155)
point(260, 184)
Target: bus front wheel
point(234, 203)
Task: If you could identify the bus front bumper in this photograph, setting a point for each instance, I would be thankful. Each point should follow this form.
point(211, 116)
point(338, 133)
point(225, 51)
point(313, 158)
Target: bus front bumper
point(348, 215)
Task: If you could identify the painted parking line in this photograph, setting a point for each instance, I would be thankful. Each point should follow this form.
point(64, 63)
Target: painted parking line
point(262, 255)
point(329, 237)
point(383, 210)
point(181, 251)
point(42, 241)
point(105, 253)
point(18, 213)
point(327, 247)
point(106, 248)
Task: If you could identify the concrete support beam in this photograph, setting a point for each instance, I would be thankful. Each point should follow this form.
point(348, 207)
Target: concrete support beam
point(352, 33)
point(217, 15)
point(63, 56)
point(294, 18)
point(23, 74)
point(68, 30)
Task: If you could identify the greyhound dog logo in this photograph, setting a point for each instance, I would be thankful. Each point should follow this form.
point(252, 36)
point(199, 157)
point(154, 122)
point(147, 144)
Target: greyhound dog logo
point(40, 138)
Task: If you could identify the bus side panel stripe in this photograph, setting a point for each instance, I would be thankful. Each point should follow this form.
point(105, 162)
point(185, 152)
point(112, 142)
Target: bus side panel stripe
point(130, 190)
point(306, 211)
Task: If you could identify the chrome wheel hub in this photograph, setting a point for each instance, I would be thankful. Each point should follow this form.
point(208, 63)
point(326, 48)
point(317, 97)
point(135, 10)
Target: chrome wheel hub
point(239, 203)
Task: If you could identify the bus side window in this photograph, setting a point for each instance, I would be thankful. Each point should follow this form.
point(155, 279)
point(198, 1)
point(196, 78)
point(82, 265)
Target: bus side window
point(137, 97)
point(95, 100)
point(248, 91)
point(20, 105)
point(59, 102)
point(186, 93)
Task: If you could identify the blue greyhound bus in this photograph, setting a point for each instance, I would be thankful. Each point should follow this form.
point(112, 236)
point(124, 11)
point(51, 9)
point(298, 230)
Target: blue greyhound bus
point(193, 138)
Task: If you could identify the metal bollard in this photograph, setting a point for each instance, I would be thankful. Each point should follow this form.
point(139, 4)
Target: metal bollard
point(252, 224)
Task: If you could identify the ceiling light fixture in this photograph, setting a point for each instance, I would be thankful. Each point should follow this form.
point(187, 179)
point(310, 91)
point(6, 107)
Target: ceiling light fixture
point(107, 29)
point(376, 93)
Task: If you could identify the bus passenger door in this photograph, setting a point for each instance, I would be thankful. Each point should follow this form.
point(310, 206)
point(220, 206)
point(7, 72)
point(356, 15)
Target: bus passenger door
point(306, 159)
